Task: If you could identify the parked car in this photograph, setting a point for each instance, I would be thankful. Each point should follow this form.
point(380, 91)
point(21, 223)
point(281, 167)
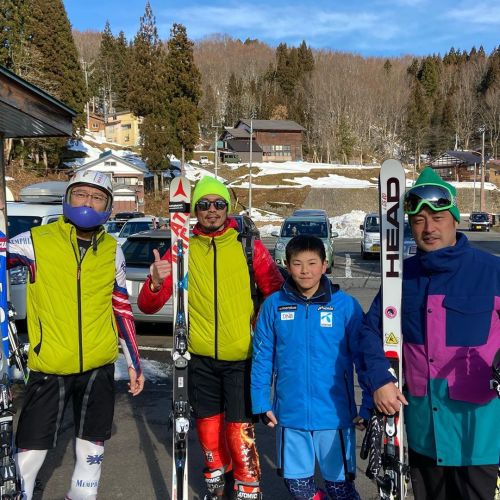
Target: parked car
point(22, 217)
point(113, 227)
point(138, 251)
point(127, 215)
point(479, 221)
point(409, 244)
point(246, 225)
point(133, 226)
point(370, 235)
point(311, 225)
point(310, 211)
point(204, 160)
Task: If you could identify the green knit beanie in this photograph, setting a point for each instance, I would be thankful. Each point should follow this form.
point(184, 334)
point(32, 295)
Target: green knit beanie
point(429, 176)
point(209, 185)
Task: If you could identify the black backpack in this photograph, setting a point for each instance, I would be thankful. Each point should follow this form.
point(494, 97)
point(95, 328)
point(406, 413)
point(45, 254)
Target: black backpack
point(248, 243)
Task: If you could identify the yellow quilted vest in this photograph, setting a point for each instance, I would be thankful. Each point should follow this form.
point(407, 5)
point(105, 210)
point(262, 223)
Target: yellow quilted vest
point(220, 302)
point(71, 324)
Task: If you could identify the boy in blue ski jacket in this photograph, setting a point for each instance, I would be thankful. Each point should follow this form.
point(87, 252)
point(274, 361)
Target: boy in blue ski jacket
point(306, 343)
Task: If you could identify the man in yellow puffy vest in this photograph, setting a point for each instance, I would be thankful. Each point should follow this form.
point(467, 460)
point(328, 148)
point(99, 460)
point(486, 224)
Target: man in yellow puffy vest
point(220, 316)
point(78, 311)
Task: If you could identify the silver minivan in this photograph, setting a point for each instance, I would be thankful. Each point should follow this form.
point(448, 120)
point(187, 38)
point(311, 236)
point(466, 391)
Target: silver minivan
point(370, 235)
point(22, 217)
point(314, 225)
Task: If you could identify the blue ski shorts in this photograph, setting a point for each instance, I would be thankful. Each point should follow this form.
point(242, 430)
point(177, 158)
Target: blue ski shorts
point(298, 450)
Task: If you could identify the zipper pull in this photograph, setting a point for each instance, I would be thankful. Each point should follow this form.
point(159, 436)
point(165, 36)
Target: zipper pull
point(78, 271)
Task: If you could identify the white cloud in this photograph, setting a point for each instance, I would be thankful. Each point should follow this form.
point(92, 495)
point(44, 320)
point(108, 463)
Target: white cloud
point(482, 13)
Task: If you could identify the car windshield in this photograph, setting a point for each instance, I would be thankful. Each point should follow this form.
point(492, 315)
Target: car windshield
point(139, 251)
point(132, 227)
point(372, 224)
point(21, 223)
point(479, 217)
point(310, 227)
point(113, 227)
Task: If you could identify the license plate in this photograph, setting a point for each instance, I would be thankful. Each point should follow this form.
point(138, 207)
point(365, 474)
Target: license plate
point(375, 248)
point(478, 227)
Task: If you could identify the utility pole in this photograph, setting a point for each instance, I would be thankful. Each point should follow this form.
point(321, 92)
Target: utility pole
point(474, 196)
point(483, 168)
point(250, 168)
point(216, 140)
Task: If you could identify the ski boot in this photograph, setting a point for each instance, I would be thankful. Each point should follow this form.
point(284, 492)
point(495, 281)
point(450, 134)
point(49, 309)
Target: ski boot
point(246, 492)
point(215, 481)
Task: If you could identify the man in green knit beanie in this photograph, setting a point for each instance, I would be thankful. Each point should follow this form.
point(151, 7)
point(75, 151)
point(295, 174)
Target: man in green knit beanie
point(450, 312)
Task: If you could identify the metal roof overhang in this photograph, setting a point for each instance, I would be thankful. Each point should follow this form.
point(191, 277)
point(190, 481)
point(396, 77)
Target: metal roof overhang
point(27, 111)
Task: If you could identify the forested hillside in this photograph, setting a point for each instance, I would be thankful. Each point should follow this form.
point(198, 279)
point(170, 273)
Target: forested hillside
point(353, 108)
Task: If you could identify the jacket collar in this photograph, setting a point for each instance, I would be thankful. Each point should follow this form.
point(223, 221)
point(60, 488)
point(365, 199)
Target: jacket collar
point(228, 223)
point(322, 295)
point(445, 259)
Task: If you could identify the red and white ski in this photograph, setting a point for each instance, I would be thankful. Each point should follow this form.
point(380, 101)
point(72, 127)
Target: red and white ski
point(392, 188)
point(179, 209)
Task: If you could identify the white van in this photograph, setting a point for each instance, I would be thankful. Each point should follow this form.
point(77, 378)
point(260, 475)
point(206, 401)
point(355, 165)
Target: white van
point(22, 217)
point(370, 235)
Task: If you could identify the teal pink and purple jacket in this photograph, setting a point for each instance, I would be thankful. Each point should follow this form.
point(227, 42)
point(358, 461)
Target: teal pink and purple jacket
point(451, 332)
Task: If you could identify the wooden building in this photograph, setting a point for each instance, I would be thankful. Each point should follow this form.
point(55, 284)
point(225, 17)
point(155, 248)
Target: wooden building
point(273, 140)
point(123, 128)
point(459, 166)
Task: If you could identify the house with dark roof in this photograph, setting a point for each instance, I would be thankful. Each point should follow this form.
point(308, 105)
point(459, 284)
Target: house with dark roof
point(127, 177)
point(458, 165)
point(273, 140)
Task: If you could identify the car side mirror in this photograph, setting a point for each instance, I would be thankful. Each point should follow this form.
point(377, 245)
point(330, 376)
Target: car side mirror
point(276, 234)
point(335, 234)
point(361, 227)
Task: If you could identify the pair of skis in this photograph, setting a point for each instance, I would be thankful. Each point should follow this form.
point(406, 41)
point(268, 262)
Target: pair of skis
point(179, 210)
point(383, 444)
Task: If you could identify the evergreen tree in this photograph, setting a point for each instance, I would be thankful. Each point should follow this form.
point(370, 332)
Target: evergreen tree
point(429, 76)
point(346, 139)
point(147, 90)
point(12, 36)
point(234, 110)
point(387, 66)
point(184, 87)
point(417, 121)
point(306, 58)
point(122, 59)
point(49, 34)
point(111, 81)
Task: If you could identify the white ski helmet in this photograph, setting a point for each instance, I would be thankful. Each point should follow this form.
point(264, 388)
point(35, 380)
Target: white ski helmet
point(86, 217)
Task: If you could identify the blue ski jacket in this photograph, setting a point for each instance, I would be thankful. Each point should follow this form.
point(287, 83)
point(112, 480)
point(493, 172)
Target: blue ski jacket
point(451, 332)
point(307, 347)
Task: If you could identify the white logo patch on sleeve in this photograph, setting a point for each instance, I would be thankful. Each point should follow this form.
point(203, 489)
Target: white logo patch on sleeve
point(326, 319)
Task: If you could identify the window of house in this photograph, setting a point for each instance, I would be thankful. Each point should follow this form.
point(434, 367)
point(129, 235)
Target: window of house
point(281, 150)
point(126, 126)
point(110, 163)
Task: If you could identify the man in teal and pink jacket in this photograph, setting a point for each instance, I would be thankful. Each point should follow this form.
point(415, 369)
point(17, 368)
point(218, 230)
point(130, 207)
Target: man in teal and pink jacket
point(451, 332)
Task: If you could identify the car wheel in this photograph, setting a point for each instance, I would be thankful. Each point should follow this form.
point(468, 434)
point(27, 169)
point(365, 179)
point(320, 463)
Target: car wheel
point(364, 255)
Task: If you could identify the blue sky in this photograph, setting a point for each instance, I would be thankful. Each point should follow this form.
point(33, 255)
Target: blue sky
point(366, 27)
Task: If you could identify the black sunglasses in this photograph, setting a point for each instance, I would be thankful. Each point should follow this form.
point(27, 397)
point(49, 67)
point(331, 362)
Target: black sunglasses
point(204, 205)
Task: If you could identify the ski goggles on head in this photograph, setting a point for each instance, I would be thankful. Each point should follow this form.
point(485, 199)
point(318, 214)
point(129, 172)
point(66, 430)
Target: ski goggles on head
point(204, 205)
point(435, 196)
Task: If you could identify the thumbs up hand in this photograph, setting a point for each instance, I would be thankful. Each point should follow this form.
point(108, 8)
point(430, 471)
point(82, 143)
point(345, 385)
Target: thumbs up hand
point(159, 270)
